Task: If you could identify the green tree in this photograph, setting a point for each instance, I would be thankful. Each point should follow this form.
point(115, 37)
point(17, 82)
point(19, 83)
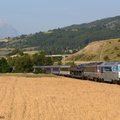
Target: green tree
point(48, 61)
point(23, 64)
point(15, 51)
point(12, 61)
point(4, 67)
point(59, 62)
point(39, 59)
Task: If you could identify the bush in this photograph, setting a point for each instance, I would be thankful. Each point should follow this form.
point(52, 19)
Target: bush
point(116, 48)
point(4, 67)
point(59, 63)
point(70, 63)
point(106, 58)
point(118, 54)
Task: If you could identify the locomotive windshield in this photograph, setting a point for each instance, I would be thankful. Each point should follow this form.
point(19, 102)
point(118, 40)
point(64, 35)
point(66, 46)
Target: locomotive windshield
point(117, 68)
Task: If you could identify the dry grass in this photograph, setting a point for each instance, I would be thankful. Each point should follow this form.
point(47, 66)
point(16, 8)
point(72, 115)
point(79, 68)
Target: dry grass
point(96, 51)
point(48, 32)
point(31, 52)
point(58, 99)
point(28, 75)
point(4, 40)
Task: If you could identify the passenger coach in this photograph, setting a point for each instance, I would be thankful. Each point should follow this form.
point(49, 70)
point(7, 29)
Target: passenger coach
point(55, 69)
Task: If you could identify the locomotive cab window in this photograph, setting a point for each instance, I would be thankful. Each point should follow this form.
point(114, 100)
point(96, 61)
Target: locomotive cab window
point(119, 68)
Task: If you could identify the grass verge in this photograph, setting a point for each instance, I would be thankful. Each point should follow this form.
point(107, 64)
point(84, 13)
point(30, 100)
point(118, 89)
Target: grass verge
point(27, 75)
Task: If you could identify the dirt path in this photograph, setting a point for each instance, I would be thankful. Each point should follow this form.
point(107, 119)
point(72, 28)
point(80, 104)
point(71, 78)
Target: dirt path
point(58, 99)
point(101, 51)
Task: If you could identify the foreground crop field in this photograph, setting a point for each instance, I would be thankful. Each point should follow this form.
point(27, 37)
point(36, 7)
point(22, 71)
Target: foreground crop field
point(49, 98)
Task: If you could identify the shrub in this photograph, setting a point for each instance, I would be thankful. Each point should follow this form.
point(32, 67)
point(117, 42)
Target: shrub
point(118, 54)
point(106, 58)
point(116, 48)
point(70, 63)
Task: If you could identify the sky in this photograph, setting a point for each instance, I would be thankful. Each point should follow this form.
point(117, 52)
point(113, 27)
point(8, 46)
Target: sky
point(31, 16)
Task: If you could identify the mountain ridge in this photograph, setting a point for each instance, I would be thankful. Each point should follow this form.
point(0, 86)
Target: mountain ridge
point(101, 21)
point(67, 39)
point(7, 30)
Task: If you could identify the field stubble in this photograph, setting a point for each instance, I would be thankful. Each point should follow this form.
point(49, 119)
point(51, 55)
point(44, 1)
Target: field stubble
point(49, 98)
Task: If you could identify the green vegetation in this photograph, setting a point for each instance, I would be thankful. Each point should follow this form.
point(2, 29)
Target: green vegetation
point(16, 52)
point(4, 66)
point(64, 40)
point(118, 55)
point(106, 58)
point(24, 63)
point(70, 63)
point(59, 63)
point(40, 59)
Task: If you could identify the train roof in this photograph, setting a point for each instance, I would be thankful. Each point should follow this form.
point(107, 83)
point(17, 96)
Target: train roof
point(94, 64)
point(111, 63)
point(53, 66)
point(81, 65)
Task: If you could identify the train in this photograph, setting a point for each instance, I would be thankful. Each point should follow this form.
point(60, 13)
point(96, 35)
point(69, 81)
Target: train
point(96, 71)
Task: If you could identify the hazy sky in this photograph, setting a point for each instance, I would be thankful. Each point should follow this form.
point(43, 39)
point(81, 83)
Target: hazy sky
point(30, 16)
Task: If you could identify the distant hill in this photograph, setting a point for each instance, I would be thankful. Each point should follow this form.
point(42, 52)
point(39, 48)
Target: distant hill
point(68, 39)
point(107, 50)
point(6, 30)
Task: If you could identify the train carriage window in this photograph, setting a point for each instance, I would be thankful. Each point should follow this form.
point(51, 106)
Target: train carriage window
point(48, 70)
point(55, 69)
point(107, 69)
point(64, 69)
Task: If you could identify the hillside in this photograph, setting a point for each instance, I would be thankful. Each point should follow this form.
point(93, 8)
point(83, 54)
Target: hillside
point(66, 40)
point(107, 50)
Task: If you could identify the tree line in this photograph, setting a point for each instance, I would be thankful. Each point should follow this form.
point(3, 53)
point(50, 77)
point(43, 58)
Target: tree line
point(23, 63)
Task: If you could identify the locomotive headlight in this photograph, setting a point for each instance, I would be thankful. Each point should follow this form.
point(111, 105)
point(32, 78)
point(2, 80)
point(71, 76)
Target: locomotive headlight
point(98, 70)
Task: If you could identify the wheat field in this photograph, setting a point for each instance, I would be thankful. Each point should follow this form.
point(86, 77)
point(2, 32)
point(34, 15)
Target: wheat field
point(49, 98)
